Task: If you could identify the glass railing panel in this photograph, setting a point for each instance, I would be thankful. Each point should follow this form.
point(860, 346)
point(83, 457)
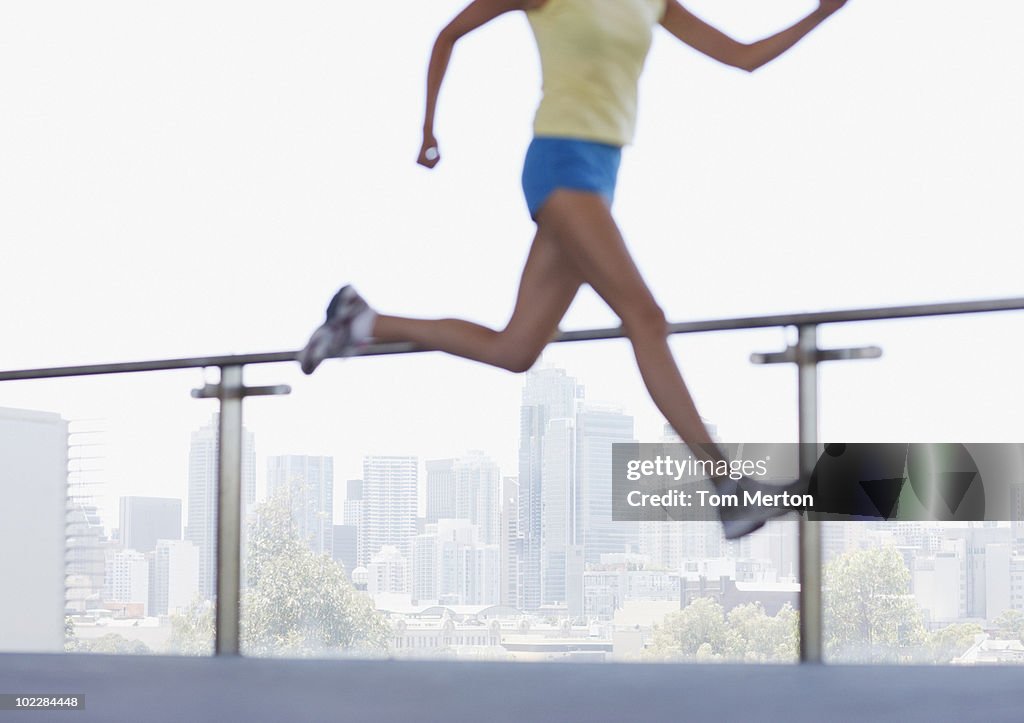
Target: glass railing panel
point(911, 591)
point(107, 486)
point(393, 518)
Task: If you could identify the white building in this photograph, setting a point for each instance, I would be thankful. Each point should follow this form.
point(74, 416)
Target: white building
point(127, 578)
point(607, 590)
point(174, 576)
point(939, 583)
point(308, 483)
point(201, 528)
point(452, 566)
point(440, 489)
point(389, 503)
point(558, 467)
point(352, 515)
point(478, 494)
point(388, 572)
point(144, 520)
point(597, 429)
point(548, 395)
point(33, 488)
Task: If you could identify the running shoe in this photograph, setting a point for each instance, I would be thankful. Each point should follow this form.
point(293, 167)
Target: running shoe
point(744, 519)
point(334, 337)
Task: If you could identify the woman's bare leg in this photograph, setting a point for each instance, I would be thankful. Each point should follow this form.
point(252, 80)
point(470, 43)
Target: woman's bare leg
point(548, 285)
point(584, 228)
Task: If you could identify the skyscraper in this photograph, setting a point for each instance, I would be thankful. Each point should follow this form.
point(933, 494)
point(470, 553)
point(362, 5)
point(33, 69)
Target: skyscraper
point(127, 578)
point(389, 503)
point(33, 487)
point(549, 394)
point(201, 529)
point(565, 487)
point(346, 549)
point(440, 489)
point(511, 543)
point(308, 483)
point(86, 536)
point(558, 503)
point(144, 520)
point(477, 494)
point(451, 565)
point(597, 429)
point(353, 517)
point(173, 576)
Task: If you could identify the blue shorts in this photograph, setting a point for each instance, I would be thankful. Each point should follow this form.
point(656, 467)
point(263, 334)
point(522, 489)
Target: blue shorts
point(571, 163)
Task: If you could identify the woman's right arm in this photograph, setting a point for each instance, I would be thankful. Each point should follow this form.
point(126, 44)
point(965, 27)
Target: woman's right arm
point(477, 13)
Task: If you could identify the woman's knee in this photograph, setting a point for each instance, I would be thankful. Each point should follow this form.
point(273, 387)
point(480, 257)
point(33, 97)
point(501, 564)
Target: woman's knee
point(646, 322)
point(515, 356)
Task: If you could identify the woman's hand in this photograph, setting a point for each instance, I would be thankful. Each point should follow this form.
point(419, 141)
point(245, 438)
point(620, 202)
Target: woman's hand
point(429, 155)
point(830, 6)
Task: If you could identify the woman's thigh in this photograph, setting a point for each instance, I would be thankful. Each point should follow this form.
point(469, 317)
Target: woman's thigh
point(585, 230)
point(549, 283)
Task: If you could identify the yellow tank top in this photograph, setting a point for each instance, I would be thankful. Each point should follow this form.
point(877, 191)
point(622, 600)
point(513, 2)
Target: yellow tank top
point(592, 53)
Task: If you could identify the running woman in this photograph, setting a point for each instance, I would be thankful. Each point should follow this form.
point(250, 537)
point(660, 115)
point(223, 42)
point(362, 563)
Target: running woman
point(592, 54)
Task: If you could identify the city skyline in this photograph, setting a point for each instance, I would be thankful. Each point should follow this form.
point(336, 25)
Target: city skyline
point(735, 185)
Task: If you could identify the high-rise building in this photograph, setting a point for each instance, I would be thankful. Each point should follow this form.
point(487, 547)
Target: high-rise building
point(34, 488)
point(346, 547)
point(86, 552)
point(440, 489)
point(389, 502)
point(201, 528)
point(388, 572)
point(548, 395)
point(511, 543)
point(127, 578)
point(308, 483)
point(597, 429)
point(144, 520)
point(352, 516)
point(477, 494)
point(565, 488)
point(558, 503)
point(87, 539)
point(173, 576)
point(450, 564)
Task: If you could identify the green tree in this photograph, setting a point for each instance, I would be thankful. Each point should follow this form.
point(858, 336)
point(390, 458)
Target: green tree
point(113, 644)
point(295, 602)
point(697, 629)
point(702, 632)
point(755, 637)
point(951, 641)
point(192, 629)
point(870, 615)
point(70, 637)
point(1010, 625)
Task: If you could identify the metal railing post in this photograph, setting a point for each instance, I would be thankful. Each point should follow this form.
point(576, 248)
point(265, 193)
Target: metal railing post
point(229, 511)
point(230, 392)
point(811, 615)
point(807, 356)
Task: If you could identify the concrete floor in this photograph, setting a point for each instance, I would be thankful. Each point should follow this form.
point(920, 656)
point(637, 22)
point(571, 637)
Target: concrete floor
point(157, 689)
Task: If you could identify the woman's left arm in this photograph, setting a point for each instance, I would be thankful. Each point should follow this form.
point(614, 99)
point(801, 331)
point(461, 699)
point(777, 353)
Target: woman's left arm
point(748, 56)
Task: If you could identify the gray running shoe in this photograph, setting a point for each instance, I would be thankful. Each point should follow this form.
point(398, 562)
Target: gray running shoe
point(334, 336)
point(740, 521)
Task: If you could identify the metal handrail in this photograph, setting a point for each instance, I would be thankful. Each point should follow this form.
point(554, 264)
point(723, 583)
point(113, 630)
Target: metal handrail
point(805, 354)
point(686, 327)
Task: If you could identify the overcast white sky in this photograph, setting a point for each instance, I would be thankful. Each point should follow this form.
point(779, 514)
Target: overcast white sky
point(183, 178)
